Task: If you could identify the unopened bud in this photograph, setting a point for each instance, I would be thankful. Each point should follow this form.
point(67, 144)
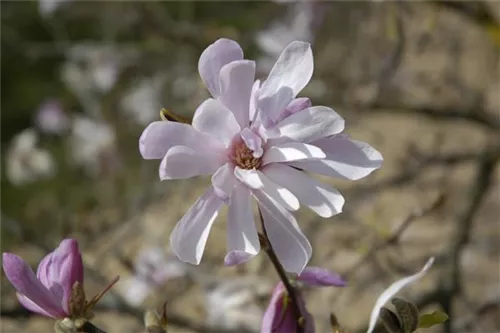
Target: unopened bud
point(170, 116)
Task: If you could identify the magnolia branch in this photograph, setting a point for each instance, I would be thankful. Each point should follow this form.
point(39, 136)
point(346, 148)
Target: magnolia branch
point(292, 292)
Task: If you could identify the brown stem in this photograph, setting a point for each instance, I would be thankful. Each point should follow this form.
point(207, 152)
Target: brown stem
point(292, 292)
point(88, 327)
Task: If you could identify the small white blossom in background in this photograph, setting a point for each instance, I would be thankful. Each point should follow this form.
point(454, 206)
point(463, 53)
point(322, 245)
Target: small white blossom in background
point(298, 24)
point(91, 70)
point(51, 119)
point(97, 65)
point(25, 162)
point(47, 7)
point(92, 145)
point(231, 303)
point(143, 101)
point(152, 268)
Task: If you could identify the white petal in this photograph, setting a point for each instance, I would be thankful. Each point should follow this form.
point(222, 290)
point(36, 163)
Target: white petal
point(224, 182)
point(236, 81)
point(255, 179)
point(215, 119)
point(311, 124)
point(242, 240)
point(291, 151)
point(393, 290)
point(289, 76)
point(252, 141)
point(251, 177)
point(279, 194)
point(321, 198)
point(345, 158)
point(189, 237)
point(183, 162)
point(253, 100)
point(289, 243)
point(160, 136)
point(213, 58)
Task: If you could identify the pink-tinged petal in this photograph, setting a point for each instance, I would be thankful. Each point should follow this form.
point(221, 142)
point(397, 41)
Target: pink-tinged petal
point(250, 178)
point(292, 151)
point(291, 246)
point(236, 81)
point(190, 235)
point(295, 106)
point(224, 181)
point(184, 162)
point(29, 305)
point(63, 268)
point(310, 124)
point(252, 141)
point(160, 136)
point(19, 273)
point(345, 158)
point(393, 290)
point(279, 193)
point(216, 120)
point(288, 77)
point(320, 277)
point(279, 316)
point(213, 58)
point(321, 198)
point(274, 309)
point(253, 100)
point(242, 240)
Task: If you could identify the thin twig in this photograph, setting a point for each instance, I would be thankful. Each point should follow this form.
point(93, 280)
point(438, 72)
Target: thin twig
point(292, 292)
point(395, 236)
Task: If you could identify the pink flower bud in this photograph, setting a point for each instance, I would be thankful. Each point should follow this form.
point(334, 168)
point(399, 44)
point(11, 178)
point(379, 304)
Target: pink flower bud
point(48, 292)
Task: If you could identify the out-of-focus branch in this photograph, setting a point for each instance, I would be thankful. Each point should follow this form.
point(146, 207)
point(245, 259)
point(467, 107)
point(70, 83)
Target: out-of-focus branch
point(414, 171)
point(476, 11)
point(475, 116)
point(395, 236)
point(450, 284)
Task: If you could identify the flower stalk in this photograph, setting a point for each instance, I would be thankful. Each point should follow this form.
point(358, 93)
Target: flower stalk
point(292, 292)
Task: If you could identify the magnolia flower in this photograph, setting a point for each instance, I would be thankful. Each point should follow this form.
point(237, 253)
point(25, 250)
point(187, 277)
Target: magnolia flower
point(152, 268)
point(49, 292)
point(393, 290)
point(280, 317)
point(252, 138)
point(50, 117)
point(25, 162)
point(92, 144)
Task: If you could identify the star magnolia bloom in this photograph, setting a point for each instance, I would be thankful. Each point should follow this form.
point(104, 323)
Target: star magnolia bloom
point(252, 138)
point(279, 316)
point(48, 292)
point(393, 290)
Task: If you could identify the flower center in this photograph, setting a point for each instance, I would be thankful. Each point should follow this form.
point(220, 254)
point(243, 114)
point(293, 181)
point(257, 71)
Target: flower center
point(242, 157)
